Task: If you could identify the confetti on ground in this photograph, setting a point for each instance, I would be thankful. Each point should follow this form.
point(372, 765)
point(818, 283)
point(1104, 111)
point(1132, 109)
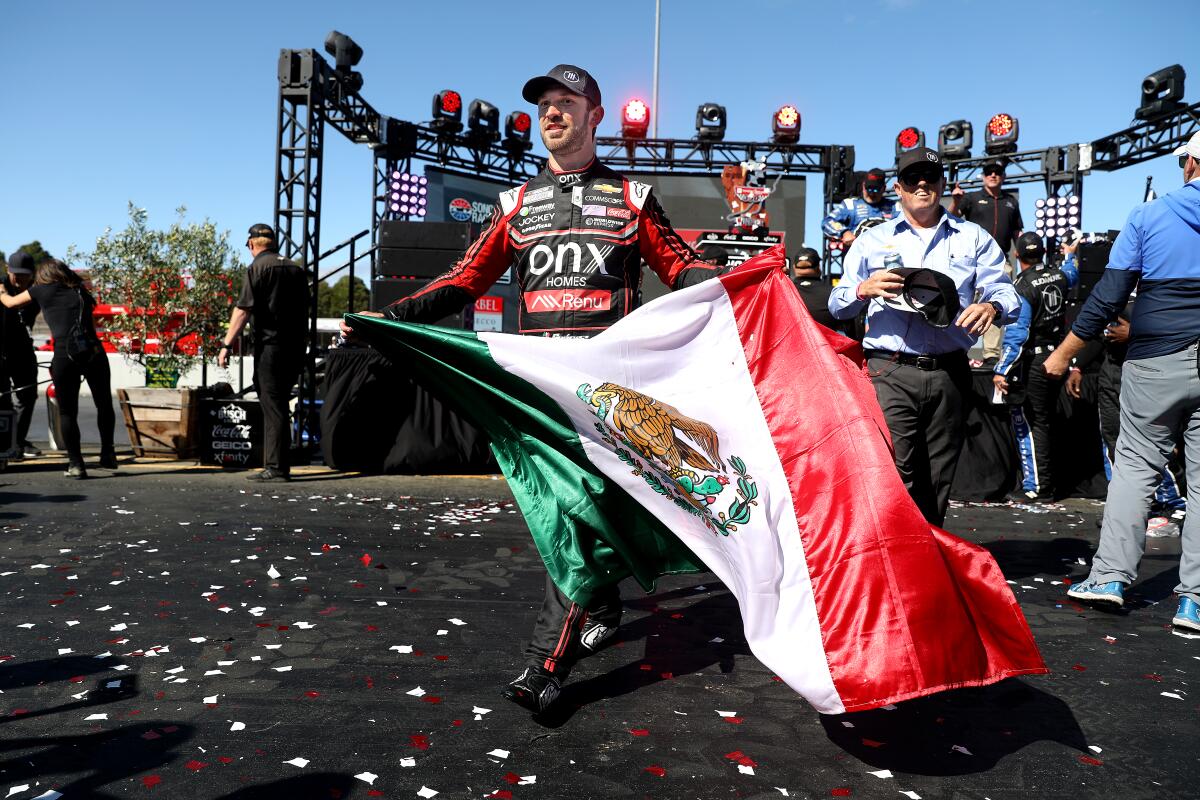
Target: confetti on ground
point(367, 777)
point(426, 792)
point(298, 762)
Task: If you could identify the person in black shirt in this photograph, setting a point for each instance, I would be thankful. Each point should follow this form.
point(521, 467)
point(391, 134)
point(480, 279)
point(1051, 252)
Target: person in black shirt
point(67, 308)
point(18, 362)
point(998, 213)
point(275, 298)
point(806, 275)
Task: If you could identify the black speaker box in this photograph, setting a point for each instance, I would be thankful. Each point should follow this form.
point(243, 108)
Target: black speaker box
point(425, 235)
point(385, 291)
point(407, 262)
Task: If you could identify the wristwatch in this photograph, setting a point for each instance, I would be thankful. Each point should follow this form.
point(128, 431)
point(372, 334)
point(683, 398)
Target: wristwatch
point(999, 310)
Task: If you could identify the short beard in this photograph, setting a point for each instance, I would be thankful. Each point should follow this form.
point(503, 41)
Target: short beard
point(575, 142)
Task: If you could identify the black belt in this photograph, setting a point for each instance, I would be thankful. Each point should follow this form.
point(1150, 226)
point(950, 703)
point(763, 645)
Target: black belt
point(929, 363)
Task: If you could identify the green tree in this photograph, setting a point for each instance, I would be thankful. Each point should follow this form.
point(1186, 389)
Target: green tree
point(36, 251)
point(331, 300)
point(177, 286)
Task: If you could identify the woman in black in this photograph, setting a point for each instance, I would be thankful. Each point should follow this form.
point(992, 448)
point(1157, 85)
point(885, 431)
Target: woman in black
point(67, 308)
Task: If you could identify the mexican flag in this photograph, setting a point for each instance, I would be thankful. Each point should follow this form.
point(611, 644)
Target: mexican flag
point(720, 428)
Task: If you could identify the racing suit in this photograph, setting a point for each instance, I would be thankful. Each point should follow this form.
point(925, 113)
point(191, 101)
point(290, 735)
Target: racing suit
point(576, 241)
point(1027, 344)
point(847, 215)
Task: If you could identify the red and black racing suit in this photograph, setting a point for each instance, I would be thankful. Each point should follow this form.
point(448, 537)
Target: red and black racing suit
point(576, 241)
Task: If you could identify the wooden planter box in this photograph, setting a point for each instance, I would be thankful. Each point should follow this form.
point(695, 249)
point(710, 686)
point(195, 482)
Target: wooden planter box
point(161, 422)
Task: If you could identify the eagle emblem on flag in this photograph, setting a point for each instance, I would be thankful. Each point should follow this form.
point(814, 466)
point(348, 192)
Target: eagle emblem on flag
point(634, 423)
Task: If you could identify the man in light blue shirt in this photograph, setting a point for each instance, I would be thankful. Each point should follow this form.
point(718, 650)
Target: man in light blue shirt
point(920, 371)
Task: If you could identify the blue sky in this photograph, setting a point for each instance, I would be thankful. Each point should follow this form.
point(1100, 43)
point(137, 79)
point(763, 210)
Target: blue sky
point(170, 104)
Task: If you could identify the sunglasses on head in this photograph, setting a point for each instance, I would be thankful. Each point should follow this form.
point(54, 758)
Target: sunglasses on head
point(914, 176)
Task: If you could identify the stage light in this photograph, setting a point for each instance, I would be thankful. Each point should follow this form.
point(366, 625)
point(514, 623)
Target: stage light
point(955, 139)
point(447, 111)
point(346, 53)
point(635, 119)
point(1000, 137)
point(909, 139)
point(408, 193)
point(517, 127)
point(785, 125)
point(1162, 91)
point(710, 122)
point(483, 121)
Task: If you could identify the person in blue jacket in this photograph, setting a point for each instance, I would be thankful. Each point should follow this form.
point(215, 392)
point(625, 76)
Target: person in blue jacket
point(1027, 344)
point(842, 223)
point(1158, 252)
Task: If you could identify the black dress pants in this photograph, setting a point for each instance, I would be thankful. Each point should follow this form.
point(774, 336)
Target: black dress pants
point(276, 370)
point(925, 411)
point(1032, 423)
point(67, 375)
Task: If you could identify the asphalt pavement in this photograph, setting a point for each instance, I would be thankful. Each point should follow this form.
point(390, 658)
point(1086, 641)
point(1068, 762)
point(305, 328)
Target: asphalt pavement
point(174, 631)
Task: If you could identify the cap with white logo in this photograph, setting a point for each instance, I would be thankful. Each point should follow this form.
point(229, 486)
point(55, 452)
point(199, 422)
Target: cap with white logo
point(1192, 148)
point(564, 76)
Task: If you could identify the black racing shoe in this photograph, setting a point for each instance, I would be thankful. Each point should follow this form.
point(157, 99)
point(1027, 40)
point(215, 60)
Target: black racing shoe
point(270, 475)
point(534, 689)
point(595, 635)
point(108, 460)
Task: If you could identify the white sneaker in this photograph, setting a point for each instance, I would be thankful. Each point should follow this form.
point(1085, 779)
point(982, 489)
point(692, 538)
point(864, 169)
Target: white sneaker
point(1161, 528)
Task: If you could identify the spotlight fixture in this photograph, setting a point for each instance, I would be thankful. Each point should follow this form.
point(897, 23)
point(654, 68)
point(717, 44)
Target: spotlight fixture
point(909, 139)
point(1000, 137)
point(483, 121)
point(1057, 216)
point(954, 139)
point(346, 54)
point(407, 194)
point(785, 125)
point(517, 128)
point(710, 122)
point(635, 119)
point(447, 111)
point(1162, 91)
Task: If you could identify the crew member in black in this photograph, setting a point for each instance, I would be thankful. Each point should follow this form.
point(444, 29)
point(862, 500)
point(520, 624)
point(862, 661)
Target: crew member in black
point(1028, 342)
point(67, 308)
point(998, 213)
point(806, 275)
point(275, 298)
point(576, 236)
point(18, 361)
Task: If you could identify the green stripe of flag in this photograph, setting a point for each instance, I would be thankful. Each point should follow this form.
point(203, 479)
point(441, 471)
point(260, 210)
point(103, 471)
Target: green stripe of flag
point(589, 531)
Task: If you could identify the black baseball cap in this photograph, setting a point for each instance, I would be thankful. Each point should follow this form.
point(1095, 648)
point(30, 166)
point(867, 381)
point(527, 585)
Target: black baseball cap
point(997, 165)
point(927, 292)
point(261, 230)
point(807, 254)
point(20, 263)
point(567, 76)
point(916, 156)
point(1030, 247)
point(876, 178)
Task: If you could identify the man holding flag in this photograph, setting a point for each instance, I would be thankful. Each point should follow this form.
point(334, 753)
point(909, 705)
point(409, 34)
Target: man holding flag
point(577, 235)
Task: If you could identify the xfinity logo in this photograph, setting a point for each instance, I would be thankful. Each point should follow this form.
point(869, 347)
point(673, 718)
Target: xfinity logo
point(567, 257)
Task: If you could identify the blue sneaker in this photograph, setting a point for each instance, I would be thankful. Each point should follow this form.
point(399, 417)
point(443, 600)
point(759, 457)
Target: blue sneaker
point(1111, 593)
point(1188, 615)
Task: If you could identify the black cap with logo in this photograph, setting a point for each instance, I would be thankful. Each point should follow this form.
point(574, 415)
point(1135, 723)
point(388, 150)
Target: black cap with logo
point(261, 230)
point(875, 179)
point(809, 255)
point(1030, 248)
point(566, 76)
point(917, 156)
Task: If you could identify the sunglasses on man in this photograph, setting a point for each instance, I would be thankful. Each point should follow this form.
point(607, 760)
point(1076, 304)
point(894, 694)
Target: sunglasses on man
point(913, 177)
point(992, 171)
point(1183, 160)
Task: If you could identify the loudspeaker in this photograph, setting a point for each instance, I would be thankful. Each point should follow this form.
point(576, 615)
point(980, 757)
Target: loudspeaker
point(385, 291)
point(425, 235)
point(406, 262)
point(1092, 260)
